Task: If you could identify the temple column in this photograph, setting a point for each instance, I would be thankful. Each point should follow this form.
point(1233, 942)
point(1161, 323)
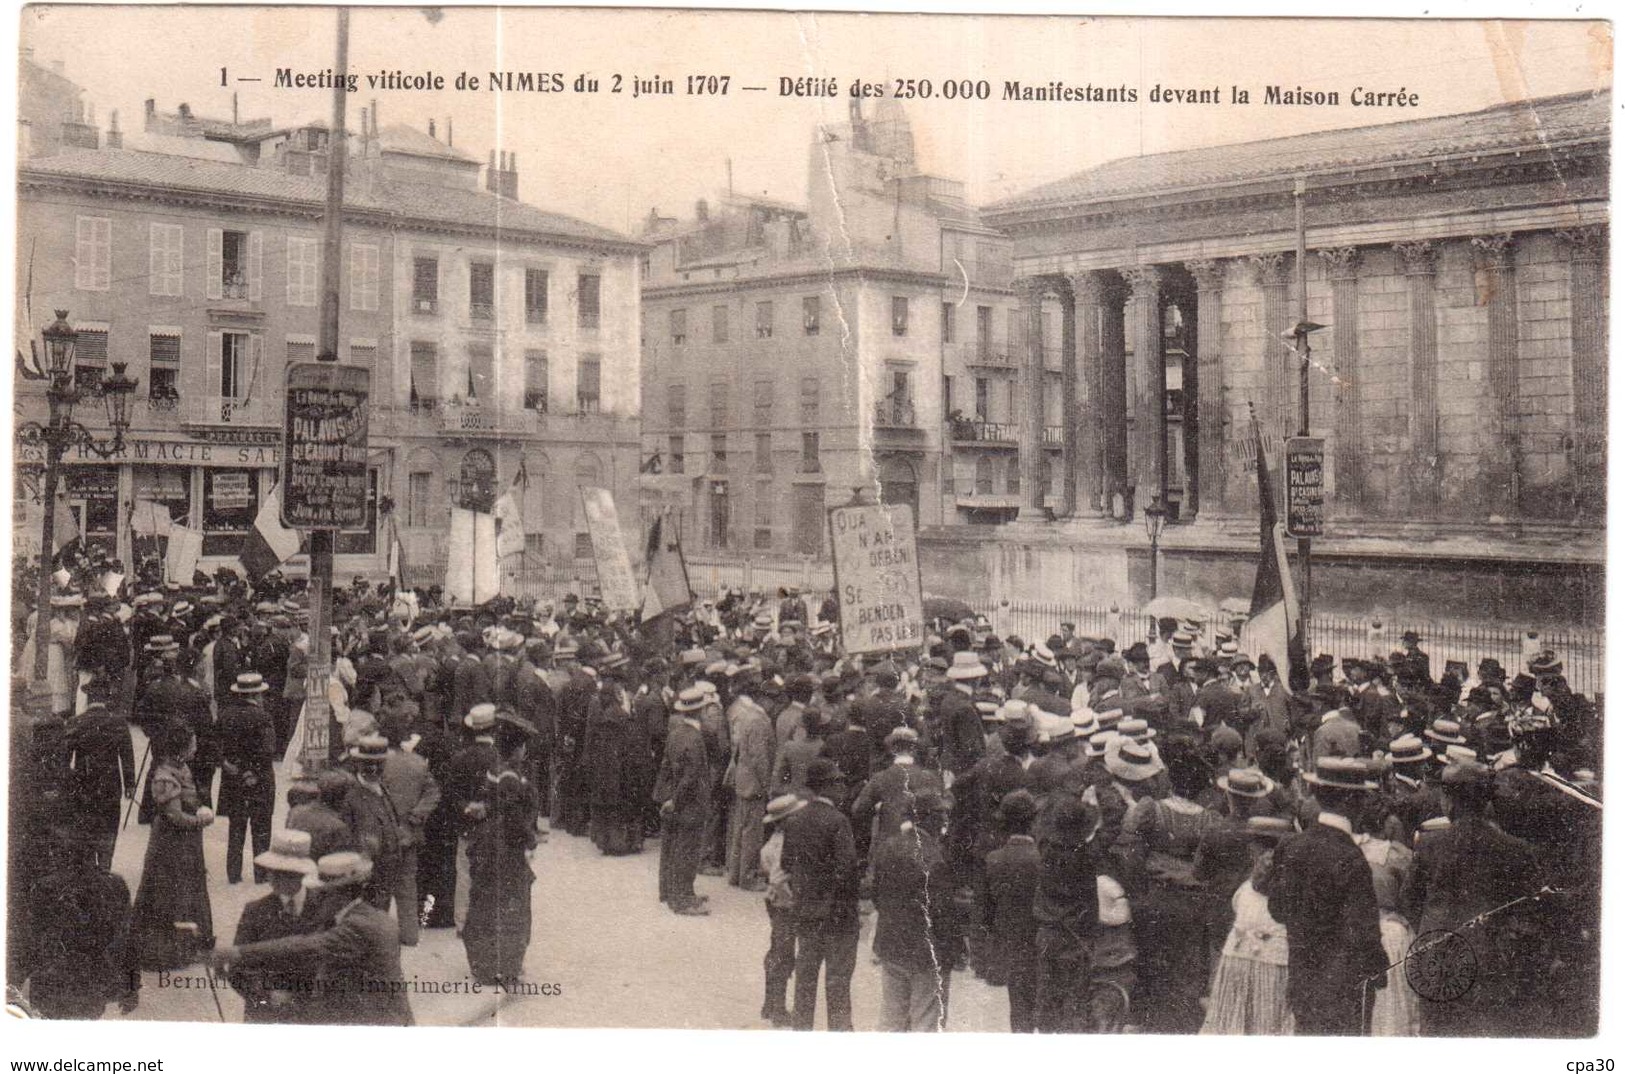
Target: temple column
point(1588, 335)
point(1207, 479)
point(1280, 387)
point(1418, 261)
point(1113, 401)
point(1070, 433)
point(1493, 273)
point(1348, 428)
point(1149, 439)
point(1030, 420)
point(1088, 310)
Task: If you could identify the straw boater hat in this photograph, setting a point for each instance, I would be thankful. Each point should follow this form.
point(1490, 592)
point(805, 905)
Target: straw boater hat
point(1342, 773)
point(1270, 828)
point(343, 869)
point(1454, 755)
point(481, 717)
point(1085, 722)
point(289, 853)
point(1446, 732)
point(690, 700)
point(1132, 762)
point(903, 736)
point(783, 806)
point(1138, 730)
point(1408, 749)
point(966, 666)
point(373, 748)
point(1246, 782)
point(249, 682)
point(1099, 742)
point(161, 643)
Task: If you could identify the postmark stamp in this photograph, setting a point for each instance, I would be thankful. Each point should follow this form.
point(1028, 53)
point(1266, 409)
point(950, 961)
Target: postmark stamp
point(1440, 966)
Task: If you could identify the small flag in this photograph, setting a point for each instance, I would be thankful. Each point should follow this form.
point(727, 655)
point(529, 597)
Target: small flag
point(67, 524)
point(666, 588)
point(269, 543)
point(1275, 626)
point(509, 515)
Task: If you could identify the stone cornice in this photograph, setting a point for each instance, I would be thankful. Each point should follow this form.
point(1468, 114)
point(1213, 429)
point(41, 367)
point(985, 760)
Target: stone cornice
point(801, 278)
point(384, 219)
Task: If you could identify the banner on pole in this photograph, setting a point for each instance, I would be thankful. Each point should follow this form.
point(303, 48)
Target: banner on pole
point(324, 446)
point(877, 577)
point(615, 582)
point(1305, 486)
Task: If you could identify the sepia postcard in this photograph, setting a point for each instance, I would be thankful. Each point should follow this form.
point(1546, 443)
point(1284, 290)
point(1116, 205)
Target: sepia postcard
point(629, 518)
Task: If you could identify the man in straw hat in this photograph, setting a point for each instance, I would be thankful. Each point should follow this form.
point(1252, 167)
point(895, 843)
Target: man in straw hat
point(283, 996)
point(780, 961)
point(683, 789)
point(356, 957)
point(958, 718)
point(248, 780)
point(1320, 889)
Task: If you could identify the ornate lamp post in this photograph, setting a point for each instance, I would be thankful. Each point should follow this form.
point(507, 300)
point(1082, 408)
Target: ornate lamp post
point(58, 434)
point(1156, 516)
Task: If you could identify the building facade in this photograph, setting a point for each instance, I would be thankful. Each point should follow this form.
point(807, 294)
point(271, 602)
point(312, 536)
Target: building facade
point(1460, 387)
point(792, 355)
point(198, 268)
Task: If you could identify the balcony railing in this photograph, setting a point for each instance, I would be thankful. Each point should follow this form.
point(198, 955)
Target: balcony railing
point(989, 353)
point(895, 415)
point(214, 410)
point(481, 311)
point(425, 304)
point(535, 314)
point(234, 288)
point(982, 431)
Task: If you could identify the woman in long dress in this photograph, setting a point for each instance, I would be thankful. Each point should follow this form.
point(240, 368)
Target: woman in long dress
point(1248, 995)
point(614, 766)
point(173, 899)
point(1394, 1009)
point(1171, 908)
point(497, 932)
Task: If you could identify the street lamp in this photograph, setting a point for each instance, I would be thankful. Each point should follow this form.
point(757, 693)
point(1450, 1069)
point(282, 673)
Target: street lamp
point(58, 434)
point(1156, 516)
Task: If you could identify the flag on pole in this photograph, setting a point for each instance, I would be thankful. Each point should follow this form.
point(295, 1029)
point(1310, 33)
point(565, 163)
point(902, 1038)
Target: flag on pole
point(510, 517)
point(269, 543)
point(67, 523)
point(1275, 626)
point(666, 588)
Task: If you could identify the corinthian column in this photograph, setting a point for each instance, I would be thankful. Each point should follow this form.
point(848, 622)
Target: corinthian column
point(1588, 333)
point(1207, 479)
point(1148, 445)
point(1088, 300)
point(1492, 262)
point(1418, 262)
point(1348, 429)
point(1030, 422)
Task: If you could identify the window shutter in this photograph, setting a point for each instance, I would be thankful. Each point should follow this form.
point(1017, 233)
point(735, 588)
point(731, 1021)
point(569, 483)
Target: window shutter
point(157, 259)
point(177, 260)
point(254, 285)
point(211, 370)
point(216, 267)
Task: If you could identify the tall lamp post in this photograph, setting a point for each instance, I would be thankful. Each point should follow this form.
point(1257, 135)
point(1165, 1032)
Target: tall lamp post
point(1156, 516)
point(59, 433)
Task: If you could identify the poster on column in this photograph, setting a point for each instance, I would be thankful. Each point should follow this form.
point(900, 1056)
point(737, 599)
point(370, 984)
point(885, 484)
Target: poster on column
point(616, 584)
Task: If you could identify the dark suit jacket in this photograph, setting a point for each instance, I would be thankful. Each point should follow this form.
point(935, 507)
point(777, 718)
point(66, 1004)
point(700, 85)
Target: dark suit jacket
point(470, 686)
point(356, 960)
point(822, 861)
point(103, 764)
point(1320, 889)
point(534, 700)
point(887, 796)
point(685, 775)
point(916, 924)
point(1007, 908)
point(465, 781)
point(264, 919)
point(1463, 871)
point(961, 724)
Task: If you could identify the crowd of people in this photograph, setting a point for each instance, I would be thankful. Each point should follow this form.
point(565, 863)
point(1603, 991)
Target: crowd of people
point(1163, 835)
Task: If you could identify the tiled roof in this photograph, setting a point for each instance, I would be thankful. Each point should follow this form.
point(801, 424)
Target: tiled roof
point(417, 201)
point(399, 138)
point(1526, 124)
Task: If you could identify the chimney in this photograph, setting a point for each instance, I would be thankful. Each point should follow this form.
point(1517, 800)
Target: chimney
point(502, 175)
point(233, 108)
point(374, 114)
point(431, 128)
point(702, 211)
point(448, 130)
point(115, 137)
point(152, 112)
